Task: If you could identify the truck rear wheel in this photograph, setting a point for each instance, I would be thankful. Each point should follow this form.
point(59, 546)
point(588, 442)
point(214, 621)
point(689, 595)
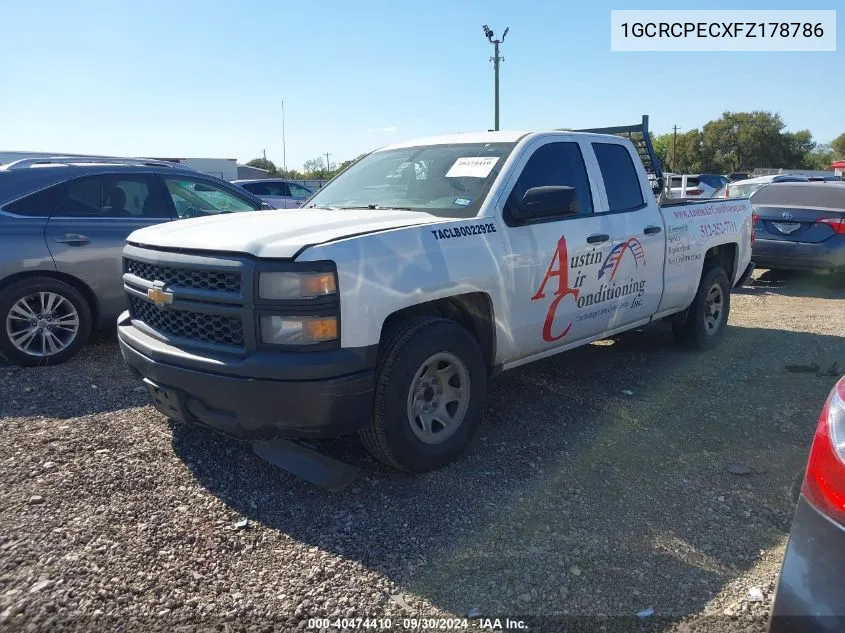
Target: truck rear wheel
point(431, 385)
point(708, 314)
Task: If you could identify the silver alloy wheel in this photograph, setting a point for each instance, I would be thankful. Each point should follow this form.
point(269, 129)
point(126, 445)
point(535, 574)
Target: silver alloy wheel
point(714, 309)
point(438, 398)
point(42, 324)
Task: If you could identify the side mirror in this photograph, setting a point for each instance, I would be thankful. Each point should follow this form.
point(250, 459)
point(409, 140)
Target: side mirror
point(540, 202)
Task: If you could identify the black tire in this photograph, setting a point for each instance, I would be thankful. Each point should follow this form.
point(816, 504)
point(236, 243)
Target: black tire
point(10, 295)
point(694, 333)
point(406, 348)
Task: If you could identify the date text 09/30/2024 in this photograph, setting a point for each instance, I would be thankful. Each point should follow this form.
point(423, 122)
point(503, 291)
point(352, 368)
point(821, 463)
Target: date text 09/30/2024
point(416, 624)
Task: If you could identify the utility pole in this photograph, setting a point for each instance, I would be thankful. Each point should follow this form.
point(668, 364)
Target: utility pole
point(264, 153)
point(284, 147)
point(496, 59)
point(328, 164)
point(674, 140)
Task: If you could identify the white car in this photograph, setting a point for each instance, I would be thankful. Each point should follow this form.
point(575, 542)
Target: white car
point(425, 268)
point(282, 194)
point(748, 187)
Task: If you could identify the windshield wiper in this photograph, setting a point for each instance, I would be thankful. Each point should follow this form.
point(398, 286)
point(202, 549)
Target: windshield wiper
point(378, 206)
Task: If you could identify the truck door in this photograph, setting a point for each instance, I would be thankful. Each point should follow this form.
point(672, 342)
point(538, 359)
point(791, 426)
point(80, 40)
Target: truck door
point(633, 270)
point(553, 259)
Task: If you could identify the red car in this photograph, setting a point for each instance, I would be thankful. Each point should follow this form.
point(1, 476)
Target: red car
point(810, 596)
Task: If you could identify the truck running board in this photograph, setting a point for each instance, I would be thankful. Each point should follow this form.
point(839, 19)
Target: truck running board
point(306, 463)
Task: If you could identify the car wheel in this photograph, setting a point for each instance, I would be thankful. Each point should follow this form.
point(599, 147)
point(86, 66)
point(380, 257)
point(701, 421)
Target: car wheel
point(43, 321)
point(708, 314)
point(431, 385)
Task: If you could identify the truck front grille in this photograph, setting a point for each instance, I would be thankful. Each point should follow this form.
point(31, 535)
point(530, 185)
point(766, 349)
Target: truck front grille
point(184, 277)
point(199, 326)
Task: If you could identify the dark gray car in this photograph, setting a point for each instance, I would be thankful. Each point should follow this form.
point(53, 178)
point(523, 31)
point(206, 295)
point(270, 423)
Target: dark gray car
point(63, 226)
point(810, 597)
point(800, 226)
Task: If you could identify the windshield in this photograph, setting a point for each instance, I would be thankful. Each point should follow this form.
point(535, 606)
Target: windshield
point(444, 180)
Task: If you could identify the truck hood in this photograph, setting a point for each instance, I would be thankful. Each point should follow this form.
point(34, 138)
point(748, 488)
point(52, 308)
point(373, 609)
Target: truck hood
point(278, 233)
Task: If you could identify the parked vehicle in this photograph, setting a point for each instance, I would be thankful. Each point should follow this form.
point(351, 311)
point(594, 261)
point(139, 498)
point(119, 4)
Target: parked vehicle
point(800, 226)
point(63, 224)
point(281, 194)
point(736, 176)
point(747, 188)
point(693, 186)
point(384, 306)
point(810, 595)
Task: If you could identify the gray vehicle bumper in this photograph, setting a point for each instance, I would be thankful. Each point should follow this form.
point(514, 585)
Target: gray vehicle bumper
point(810, 597)
point(272, 394)
point(827, 255)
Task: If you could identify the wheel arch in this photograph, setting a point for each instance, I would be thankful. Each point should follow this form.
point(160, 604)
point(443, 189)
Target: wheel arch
point(83, 288)
point(725, 255)
point(472, 310)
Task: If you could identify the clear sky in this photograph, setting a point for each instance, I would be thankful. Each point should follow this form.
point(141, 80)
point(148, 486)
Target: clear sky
point(207, 78)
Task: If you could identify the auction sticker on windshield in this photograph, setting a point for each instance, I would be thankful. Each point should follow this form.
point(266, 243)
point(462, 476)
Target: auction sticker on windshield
point(472, 167)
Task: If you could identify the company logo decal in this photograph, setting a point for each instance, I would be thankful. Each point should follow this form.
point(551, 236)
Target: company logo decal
point(614, 257)
point(611, 294)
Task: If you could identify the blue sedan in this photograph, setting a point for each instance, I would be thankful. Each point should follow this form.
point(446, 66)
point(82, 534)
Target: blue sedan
point(800, 226)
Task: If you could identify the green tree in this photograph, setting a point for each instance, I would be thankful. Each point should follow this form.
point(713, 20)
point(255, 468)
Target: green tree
point(820, 158)
point(662, 144)
point(741, 141)
point(263, 163)
point(315, 168)
point(348, 163)
point(838, 147)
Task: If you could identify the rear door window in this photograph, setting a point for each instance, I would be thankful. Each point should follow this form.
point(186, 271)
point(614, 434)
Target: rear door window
point(258, 188)
point(621, 181)
point(113, 196)
point(36, 205)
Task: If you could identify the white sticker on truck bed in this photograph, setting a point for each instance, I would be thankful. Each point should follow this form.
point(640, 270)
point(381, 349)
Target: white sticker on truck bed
point(472, 167)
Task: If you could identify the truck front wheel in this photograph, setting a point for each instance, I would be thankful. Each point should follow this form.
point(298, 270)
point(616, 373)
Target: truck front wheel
point(431, 385)
point(708, 314)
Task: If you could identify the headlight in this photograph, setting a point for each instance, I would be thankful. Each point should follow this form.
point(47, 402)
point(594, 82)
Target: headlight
point(296, 285)
point(293, 330)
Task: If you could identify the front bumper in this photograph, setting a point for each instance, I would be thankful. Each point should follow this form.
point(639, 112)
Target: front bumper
point(260, 397)
point(828, 255)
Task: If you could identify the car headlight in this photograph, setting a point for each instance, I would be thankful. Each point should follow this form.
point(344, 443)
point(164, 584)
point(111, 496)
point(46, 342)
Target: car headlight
point(295, 330)
point(296, 285)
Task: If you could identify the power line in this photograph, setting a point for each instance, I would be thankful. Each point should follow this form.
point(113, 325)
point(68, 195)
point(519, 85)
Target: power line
point(496, 59)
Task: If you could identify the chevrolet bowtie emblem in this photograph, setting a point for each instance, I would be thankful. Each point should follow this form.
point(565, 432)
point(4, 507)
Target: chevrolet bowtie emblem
point(159, 297)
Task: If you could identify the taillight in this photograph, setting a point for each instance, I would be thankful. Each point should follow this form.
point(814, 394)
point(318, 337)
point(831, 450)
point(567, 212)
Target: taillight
point(727, 192)
point(837, 224)
point(824, 483)
point(693, 192)
point(754, 219)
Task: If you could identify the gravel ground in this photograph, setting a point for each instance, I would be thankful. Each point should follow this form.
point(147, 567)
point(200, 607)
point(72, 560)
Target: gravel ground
point(599, 486)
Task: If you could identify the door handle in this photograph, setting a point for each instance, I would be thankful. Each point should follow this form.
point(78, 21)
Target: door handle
point(652, 230)
point(598, 238)
point(73, 239)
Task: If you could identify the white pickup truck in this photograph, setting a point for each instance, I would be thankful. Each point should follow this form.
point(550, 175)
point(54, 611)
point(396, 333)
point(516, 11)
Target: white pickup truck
point(383, 305)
